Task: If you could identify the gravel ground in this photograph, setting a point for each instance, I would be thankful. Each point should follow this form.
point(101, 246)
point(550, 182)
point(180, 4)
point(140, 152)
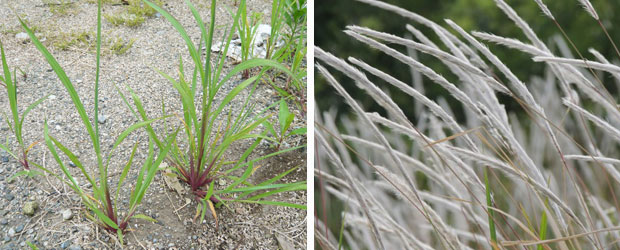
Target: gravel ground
point(59, 222)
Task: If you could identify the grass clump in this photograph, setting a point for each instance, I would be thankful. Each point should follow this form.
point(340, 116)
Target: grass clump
point(86, 40)
point(61, 7)
point(102, 203)
point(118, 46)
point(134, 14)
point(538, 176)
point(211, 127)
point(67, 40)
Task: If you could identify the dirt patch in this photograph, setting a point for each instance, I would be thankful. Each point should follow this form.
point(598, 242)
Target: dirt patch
point(156, 45)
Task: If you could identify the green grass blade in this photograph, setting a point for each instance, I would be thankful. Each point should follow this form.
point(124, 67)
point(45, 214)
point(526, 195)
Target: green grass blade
point(73, 158)
point(263, 157)
point(98, 55)
point(6, 149)
point(188, 41)
point(30, 107)
point(208, 36)
point(258, 187)
point(127, 131)
point(149, 128)
point(11, 87)
point(255, 62)
point(18, 174)
point(543, 227)
point(341, 231)
point(144, 217)
point(152, 169)
point(125, 171)
point(276, 203)
point(62, 76)
point(138, 185)
point(50, 146)
point(220, 64)
point(272, 180)
point(285, 188)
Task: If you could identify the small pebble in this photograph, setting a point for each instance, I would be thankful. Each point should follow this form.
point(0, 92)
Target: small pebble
point(11, 232)
point(3, 212)
point(67, 214)
point(9, 197)
point(4, 221)
point(102, 119)
point(71, 164)
point(74, 247)
point(19, 228)
point(7, 238)
point(22, 37)
point(30, 207)
point(5, 159)
point(65, 244)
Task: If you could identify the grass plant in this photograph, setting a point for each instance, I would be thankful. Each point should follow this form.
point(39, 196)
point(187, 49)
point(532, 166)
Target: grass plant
point(540, 176)
point(247, 29)
point(283, 130)
point(103, 207)
point(16, 123)
point(212, 126)
point(289, 28)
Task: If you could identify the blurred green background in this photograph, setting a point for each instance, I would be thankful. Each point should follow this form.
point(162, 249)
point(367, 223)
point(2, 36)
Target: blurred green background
point(331, 17)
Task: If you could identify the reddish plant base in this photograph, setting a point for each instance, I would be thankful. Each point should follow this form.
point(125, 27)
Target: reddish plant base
point(197, 180)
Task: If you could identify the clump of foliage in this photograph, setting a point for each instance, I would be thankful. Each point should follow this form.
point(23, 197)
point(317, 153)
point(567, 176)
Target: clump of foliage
point(211, 127)
point(61, 7)
point(119, 46)
point(134, 14)
point(282, 130)
point(247, 29)
point(289, 28)
point(66, 40)
point(100, 200)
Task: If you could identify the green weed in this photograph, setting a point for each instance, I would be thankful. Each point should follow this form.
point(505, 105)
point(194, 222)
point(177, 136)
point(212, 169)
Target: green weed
point(133, 15)
point(283, 131)
point(119, 46)
point(210, 132)
point(16, 124)
point(61, 7)
point(102, 206)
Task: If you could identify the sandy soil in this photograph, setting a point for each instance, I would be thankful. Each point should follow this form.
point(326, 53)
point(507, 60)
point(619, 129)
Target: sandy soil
point(157, 45)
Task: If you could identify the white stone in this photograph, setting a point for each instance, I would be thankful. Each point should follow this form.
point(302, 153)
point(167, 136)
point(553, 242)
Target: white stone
point(67, 214)
point(22, 36)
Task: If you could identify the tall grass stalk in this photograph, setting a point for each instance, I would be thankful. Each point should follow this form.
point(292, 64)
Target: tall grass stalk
point(423, 181)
